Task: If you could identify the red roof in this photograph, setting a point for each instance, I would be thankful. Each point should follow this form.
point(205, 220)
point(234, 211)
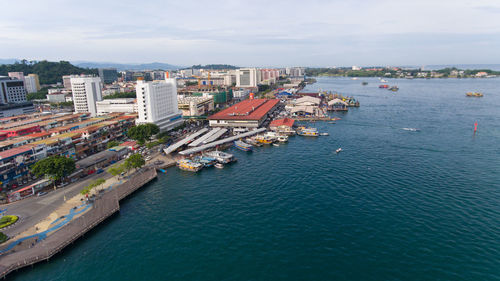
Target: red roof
point(251, 109)
point(282, 122)
point(15, 151)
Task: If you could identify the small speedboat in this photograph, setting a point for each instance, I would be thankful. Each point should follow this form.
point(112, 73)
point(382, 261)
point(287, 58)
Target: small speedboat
point(219, 165)
point(275, 144)
point(324, 134)
point(338, 150)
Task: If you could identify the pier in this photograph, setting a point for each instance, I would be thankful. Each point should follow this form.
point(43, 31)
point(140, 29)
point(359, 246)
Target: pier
point(204, 137)
point(103, 207)
point(219, 142)
point(184, 141)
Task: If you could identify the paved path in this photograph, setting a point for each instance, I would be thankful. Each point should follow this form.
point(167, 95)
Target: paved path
point(35, 209)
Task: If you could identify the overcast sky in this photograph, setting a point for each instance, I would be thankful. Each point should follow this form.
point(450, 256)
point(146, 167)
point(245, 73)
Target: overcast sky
point(254, 32)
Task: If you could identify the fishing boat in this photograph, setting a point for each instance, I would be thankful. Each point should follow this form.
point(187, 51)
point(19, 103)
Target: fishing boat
point(221, 157)
point(394, 88)
point(282, 138)
point(264, 139)
point(189, 165)
point(241, 145)
point(383, 86)
point(205, 160)
point(474, 94)
point(219, 165)
point(308, 132)
point(338, 150)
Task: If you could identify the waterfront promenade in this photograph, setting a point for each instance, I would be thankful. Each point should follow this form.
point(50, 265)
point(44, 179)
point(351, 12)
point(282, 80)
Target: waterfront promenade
point(35, 250)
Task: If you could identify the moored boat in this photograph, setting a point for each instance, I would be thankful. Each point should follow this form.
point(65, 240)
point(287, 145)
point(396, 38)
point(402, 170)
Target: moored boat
point(308, 132)
point(221, 157)
point(205, 160)
point(189, 165)
point(264, 139)
point(241, 145)
point(219, 165)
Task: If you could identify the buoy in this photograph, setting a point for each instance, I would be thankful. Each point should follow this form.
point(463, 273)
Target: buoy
point(475, 127)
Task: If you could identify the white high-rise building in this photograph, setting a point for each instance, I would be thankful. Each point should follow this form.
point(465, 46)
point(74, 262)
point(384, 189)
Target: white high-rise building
point(30, 84)
point(86, 92)
point(157, 103)
point(247, 77)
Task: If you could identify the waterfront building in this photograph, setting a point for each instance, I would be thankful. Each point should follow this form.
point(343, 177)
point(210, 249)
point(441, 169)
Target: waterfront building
point(125, 105)
point(157, 104)
point(86, 92)
point(30, 83)
point(12, 90)
point(250, 113)
point(108, 75)
point(195, 106)
point(284, 125)
point(247, 77)
point(307, 101)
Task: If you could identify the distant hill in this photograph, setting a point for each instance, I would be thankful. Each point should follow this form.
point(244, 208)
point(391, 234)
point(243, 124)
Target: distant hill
point(48, 72)
point(214, 66)
point(122, 66)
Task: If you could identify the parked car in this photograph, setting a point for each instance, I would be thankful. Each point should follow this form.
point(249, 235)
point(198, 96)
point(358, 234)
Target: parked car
point(41, 193)
point(100, 171)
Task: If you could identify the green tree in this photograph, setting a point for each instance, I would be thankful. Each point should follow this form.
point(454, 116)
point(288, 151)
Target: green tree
point(134, 161)
point(143, 132)
point(54, 167)
point(112, 144)
point(130, 95)
point(116, 169)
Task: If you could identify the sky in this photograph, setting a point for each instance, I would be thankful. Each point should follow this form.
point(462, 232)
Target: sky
point(254, 33)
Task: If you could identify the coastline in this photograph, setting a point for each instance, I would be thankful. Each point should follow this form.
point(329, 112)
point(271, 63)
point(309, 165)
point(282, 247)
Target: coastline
point(43, 248)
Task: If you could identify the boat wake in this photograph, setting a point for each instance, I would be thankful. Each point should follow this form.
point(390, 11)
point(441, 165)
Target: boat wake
point(411, 129)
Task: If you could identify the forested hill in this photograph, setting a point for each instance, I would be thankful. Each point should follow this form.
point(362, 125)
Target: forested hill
point(48, 72)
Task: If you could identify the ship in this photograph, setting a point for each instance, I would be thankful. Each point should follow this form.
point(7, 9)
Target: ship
point(308, 132)
point(241, 145)
point(205, 160)
point(221, 157)
point(474, 94)
point(394, 88)
point(189, 165)
point(276, 137)
point(383, 86)
point(264, 139)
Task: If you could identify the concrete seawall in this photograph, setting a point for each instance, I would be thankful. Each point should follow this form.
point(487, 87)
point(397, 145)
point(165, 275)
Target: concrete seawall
point(103, 207)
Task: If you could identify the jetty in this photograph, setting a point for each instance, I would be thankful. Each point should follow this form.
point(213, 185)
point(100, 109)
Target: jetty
point(105, 205)
point(220, 142)
point(184, 141)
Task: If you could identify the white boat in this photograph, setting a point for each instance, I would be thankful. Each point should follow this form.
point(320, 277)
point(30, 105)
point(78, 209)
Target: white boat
point(338, 150)
point(383, 81)
point(275, 144)
point(221, 157)
point(219, 166)
point(324, 134)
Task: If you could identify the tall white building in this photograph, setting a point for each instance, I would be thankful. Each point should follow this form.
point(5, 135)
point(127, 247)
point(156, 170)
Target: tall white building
point(247, 77)
point(86, 92)
point(30, 84)
point(157, 103)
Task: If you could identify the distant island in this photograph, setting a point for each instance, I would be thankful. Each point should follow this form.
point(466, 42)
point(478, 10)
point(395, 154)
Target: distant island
point(396, 72)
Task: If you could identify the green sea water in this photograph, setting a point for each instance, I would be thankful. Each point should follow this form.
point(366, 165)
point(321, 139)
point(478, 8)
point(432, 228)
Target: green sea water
point(396, 204)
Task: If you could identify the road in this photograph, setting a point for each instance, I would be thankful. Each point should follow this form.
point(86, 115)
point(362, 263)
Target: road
point(34, 209)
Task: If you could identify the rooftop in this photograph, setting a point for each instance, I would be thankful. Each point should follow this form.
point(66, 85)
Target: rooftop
point(251, 109)
point(15, 151)
point(282, 122)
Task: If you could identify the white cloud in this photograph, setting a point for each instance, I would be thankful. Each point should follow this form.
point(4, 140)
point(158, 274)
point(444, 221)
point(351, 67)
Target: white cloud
point(254, 32)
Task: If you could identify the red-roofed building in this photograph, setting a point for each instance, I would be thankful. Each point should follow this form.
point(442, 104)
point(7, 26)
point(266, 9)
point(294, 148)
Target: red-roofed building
point(21, 131)
point(283, 125)
point(249, 113)
point(132, 145)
